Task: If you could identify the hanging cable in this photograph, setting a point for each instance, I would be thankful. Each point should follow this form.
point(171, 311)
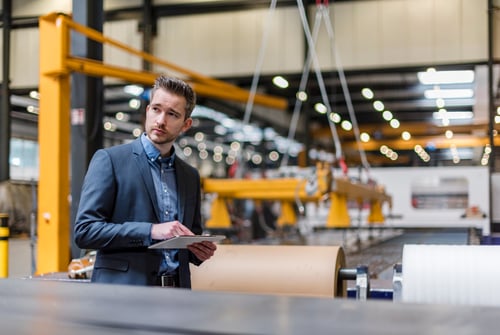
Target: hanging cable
point(258, 66)
point(321, 83)
point(343, 82)
point(255, 79)
point(302, 86)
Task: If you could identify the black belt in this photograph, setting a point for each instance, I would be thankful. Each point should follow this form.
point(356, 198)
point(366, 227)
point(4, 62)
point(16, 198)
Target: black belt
point(167, 281)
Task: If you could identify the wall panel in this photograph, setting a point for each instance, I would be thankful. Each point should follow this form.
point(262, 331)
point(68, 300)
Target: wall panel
point(368, 34)
point(126, 33)
point(40, 7)
point(24, 69)
point(447, 33)
point(230, 44)
point(393, 31)
point(407, 33)
point(420, 21)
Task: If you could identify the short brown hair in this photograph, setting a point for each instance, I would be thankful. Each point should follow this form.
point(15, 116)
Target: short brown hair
point(179, 87)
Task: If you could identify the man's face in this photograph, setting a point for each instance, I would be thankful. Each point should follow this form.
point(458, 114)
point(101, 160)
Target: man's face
point(165, 118)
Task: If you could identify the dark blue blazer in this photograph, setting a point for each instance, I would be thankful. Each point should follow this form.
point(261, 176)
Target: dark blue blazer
point(117, 207)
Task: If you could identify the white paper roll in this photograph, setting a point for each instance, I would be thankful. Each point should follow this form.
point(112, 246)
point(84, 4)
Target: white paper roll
point(451, 274)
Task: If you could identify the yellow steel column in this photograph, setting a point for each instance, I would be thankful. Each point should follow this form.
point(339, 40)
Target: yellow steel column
point(54, 139)
point(219, 215)
point(287, 216)
point(338, 215)
point(376, 215)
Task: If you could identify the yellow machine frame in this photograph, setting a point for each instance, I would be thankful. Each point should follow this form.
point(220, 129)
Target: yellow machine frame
point(289, 190)
point(285, 190)
point(56, 66)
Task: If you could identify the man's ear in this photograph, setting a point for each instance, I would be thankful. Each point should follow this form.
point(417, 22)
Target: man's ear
point(187, 124)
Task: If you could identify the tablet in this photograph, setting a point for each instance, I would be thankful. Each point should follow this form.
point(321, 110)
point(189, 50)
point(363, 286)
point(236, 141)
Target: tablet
point(181, 242)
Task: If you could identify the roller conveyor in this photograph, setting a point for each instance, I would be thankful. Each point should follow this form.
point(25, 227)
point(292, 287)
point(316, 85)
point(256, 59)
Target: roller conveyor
point(30, 306)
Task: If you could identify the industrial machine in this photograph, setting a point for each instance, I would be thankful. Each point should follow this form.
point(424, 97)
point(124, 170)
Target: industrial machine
point(307, 185)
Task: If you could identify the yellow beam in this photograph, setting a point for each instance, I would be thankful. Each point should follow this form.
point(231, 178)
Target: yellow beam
point(203, 85)
point(261, 189)
point(94, 68)
point(53, 246)
point(359, 192)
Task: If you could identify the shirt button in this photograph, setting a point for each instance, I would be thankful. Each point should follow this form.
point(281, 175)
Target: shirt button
point(166, 212)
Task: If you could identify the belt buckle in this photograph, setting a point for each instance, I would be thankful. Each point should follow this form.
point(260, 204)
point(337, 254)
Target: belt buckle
point(167, 281)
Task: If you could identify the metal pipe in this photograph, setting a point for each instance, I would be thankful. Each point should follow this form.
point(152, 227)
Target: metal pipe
point(347, 274)
point(5, 98)
point(491, 105)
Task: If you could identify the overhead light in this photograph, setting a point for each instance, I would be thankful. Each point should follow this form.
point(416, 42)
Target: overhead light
point(280, 82)
point(34, 95)
point(378, 105)
point(367, 93)
point(301, 95)
point(120, 116)
point(394, 123)
point(134, 103)
point(453, 115)
point(334, 117)
point(446, 77)
point(109, 126)
point(346, 125)
point(387, 115)
point(440, 103)
point(32, 109)
point(364, 137)
point(133, 90)
point(137, 132)
point(449, 93)
point(405, 135)
point(320, 108)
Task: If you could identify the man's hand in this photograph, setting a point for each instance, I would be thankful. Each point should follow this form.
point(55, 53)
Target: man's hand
point(166, 230)
point(203, 250)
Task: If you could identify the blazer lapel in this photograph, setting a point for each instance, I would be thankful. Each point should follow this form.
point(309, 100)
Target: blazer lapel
point(145, 171)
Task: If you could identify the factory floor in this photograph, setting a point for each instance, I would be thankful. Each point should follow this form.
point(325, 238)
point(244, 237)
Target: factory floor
point(378, 248)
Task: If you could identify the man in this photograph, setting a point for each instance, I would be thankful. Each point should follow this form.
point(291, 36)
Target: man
point(139, 193)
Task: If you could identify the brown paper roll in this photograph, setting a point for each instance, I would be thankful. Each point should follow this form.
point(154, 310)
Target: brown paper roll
point(272, 269)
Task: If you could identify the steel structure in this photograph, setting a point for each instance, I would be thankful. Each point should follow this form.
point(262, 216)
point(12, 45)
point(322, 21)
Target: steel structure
point(56, 66)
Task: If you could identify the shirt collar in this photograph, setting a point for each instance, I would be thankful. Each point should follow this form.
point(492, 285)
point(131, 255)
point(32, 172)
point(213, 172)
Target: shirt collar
point(153, 153)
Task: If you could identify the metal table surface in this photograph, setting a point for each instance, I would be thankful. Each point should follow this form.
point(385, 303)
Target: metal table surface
point(51, 307)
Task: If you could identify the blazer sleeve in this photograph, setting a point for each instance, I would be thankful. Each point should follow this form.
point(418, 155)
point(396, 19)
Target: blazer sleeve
point(104, 219)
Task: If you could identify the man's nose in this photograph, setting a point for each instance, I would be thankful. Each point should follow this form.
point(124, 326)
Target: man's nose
point(161, 119)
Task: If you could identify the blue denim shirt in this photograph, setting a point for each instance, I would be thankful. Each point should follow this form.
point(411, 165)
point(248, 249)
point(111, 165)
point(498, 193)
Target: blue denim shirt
point(163, 172)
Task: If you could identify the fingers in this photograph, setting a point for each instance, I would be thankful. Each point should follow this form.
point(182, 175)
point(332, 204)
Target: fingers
point(162, 231)
point(203, 250)
point(175, 228)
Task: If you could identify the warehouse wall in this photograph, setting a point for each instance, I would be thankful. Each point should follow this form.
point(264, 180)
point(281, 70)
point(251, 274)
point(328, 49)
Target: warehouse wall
point(369, 34)
point(405, 32)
